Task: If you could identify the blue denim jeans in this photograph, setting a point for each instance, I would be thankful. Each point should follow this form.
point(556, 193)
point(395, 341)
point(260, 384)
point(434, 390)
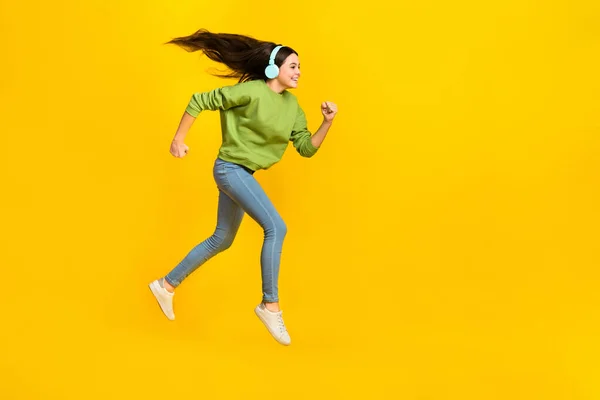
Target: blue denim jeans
point(239, 193)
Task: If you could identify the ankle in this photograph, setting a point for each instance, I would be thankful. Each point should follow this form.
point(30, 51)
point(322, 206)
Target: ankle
point(273, 307)
point(168, 287)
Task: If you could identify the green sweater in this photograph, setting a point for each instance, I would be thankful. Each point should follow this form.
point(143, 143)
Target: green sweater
point(256, 123)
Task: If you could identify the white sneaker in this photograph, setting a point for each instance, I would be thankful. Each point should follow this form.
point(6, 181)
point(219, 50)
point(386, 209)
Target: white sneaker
point(164, 298)
point(274, 323)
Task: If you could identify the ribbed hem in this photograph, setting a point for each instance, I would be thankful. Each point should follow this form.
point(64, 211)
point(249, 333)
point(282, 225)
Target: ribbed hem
point(312, 150)
point(246, 163)
point(192, 112)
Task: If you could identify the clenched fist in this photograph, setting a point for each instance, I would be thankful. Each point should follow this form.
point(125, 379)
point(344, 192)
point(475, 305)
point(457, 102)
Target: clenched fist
point(179, 149)
point(329, 110)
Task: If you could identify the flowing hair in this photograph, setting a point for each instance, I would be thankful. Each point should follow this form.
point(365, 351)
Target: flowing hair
point(245, 56)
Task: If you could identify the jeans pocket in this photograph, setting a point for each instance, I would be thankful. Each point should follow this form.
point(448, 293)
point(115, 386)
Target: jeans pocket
point(222, 170)
point(220, 173)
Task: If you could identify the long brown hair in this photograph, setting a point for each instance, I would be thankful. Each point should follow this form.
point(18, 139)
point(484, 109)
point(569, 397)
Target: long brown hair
point(245, 56)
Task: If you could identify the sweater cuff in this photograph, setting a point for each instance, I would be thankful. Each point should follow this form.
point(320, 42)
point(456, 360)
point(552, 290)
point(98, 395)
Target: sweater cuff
point(312, 150)
point(192, 111)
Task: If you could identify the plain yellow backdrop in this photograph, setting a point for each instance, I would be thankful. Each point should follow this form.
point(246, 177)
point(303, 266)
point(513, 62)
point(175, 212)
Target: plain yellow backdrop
point(442, 244)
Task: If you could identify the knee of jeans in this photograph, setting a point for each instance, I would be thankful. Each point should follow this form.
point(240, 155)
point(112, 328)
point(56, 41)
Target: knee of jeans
point(220, 243)
point(283, 229)
point(226, 243)
point(277, 228)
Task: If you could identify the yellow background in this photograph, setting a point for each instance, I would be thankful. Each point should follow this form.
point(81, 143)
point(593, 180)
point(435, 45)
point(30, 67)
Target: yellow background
point(442, 244)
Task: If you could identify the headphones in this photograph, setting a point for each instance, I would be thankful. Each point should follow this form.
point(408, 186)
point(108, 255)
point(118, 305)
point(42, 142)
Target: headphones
point(272, 70)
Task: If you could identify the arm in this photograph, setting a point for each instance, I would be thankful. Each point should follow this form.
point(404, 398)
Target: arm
point(308, 145)
point(184, 126)
point(301, 136)
point(320, 134)
point(329, 111)
point(178, 148)
point(219, 99)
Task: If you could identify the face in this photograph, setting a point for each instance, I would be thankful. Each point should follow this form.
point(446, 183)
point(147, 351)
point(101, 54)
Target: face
point(289, 72)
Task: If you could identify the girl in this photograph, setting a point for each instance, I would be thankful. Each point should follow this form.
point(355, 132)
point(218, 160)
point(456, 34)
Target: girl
point(259, 117)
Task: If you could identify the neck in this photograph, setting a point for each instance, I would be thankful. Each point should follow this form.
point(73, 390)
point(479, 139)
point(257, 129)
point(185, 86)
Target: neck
point(276, 86)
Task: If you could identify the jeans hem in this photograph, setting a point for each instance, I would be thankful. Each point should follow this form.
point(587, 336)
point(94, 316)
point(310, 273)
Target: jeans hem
point(265, 300)
point(171, 282)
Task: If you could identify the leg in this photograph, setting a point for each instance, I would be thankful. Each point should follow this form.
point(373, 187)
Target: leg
point(244, 189)
point(229, 217)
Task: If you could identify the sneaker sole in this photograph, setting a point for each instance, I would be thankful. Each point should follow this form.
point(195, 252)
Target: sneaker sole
point(155, 293)
point(259, 315)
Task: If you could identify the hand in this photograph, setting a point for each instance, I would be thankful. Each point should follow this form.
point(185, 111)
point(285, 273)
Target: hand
point(179, 149)
point(329, 110)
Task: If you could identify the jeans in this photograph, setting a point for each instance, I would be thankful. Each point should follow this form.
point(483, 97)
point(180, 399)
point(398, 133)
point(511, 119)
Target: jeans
point(239, 193)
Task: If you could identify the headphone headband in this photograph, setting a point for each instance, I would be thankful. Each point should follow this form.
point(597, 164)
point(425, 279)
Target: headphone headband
point(274, 54)
point(272, 70)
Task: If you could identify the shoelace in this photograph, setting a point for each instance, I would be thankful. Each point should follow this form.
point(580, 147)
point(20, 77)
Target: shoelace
point(281, 324)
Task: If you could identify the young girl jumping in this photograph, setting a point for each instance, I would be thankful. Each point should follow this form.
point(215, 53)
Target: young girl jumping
point(259, 117)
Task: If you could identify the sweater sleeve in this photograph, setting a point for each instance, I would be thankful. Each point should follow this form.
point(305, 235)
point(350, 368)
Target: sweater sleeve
point(222, 98)
point(301, 136)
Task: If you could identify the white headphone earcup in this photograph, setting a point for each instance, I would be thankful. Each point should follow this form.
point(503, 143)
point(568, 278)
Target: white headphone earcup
point(272, 71)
